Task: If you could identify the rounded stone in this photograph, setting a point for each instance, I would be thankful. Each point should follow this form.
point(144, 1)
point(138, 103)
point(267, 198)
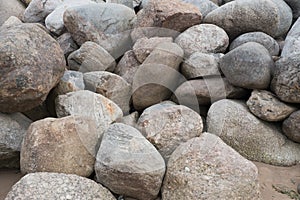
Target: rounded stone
point(291, 127)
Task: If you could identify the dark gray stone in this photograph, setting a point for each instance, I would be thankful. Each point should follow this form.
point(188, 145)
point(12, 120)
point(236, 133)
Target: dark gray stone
point(291, 127)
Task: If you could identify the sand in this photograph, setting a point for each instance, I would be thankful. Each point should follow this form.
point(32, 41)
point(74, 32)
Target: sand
point(270, 177)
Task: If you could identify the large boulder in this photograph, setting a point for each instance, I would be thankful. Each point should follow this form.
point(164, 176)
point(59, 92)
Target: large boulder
point(128, 164)
point(13, 127)
point(10, 8)
point(44, 185)
point(253, 138)
point(248, 66)
point(206, 168)
point(273, 17)
point(25, 64)
point(291, 43)
point(291, 126)
point(167, 126)
point(66, 145)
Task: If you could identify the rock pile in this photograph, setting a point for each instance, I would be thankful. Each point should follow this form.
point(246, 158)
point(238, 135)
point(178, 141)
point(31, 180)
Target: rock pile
point(147, 99)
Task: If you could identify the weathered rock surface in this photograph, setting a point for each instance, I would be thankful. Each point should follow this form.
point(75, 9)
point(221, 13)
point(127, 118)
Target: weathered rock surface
point(127, 66)
point(70, 82)
point(204, 38)
point(272, 17)
point(292, 40)
point(144, 46)
point(13, 127)
point(89, 104)
point(200, 65)
point(67, 44)
point(38, 10)
point(248, 66)
point(167, 126)
point(291, 127)
point(267, 106)
point(10, 8)
point(44, 185)
point(286, 78)
point(259, 37)
point(205, 6)
point(25, 64)
point(111, 29)
point(175, 15)
point(111, 86)
point(206, 168)
point(253, 138)
point(91, 57)
point(128, 164)
point(66, 145)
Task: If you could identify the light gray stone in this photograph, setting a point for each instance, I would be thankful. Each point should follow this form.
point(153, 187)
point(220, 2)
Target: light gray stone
point(128, 164)
point(205, 6)
point(11, 21)
point(292, 41)
point(206, 168)
point(10, 8)
point(253, 138)
point(295, 6)
point(44, 185)
point(130, 120)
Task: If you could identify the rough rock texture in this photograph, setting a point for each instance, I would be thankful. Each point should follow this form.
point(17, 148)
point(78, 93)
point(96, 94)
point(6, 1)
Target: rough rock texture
point(11, 21)
point(272, 17)
point(252, 138)
point(175, 15)
point(70, 82)
point(38, 10)
point(157, 76)
point(128, 164)
point(13, 127)
point(267, 106)
point(10, 8)
point(91, 57)
point(207, 91)
point(144, 46)
point(291, 127)
point(111, 86)
point(67, 44)
point(267, 41)
point(248, 66)
point(66, 145)
point(111, 29)
point(44, 185)
point(286, 78)
point(25, 64)
point(89, 104)
point(200, 65)
point(205, 38)
point(206, 168)
point(167, 126)
point(127, 66)
point(292, 40)
point(205, 6)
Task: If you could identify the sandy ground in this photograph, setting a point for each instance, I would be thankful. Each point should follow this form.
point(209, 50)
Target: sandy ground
point(284, 179)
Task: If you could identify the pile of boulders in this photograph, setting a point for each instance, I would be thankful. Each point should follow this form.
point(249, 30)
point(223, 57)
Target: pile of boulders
point(147, 99)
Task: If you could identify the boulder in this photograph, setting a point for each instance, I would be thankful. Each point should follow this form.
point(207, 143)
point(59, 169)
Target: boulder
point(205, 6)
point(167, 126)
point(204, 38)
point(128, 164)
point(259, 37)
point(130, 120)
point(44, 185)
point(267, 106)
point(66, 145)
point(292, 40)
point(206, 168)
point(253, 138)
point(11, 21)
point(273, 17)
point(248, 66)
point(91, 57)
point(295, 6)
point(25, 64)
point(291, 127)
point(111, 86)
point(13, 127)
point(67, 44)
point(10, 8)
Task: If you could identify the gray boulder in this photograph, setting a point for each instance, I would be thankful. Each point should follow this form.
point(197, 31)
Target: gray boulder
point(91, 57)
point(204, 38)
point(259, 37)
point(128, 164)
point(13, 127)
point(11, 21)
point(292, 40)
point(206, 168)
point(67, 44)
point(253, 138)
point(248, 66)
point(267, 106)
point(10, 8)
point(291, 127)
point(167, 126)
point(46, 186)
point(273, 17)
point(205, 6)
point(28, 57)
